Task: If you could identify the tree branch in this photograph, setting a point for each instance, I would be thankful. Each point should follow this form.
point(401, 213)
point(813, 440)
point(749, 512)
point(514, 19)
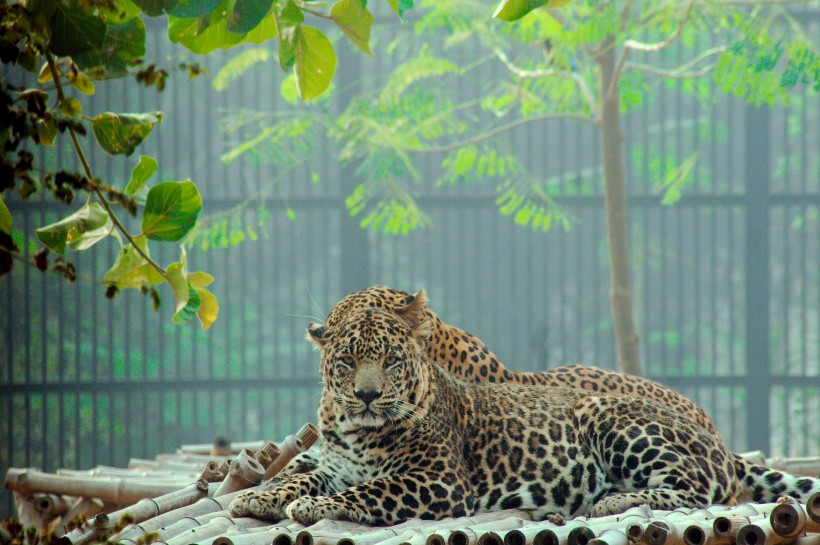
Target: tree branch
point(647, 48)
point(498, 130)
point(679, 72)
point(87, 169)
point(531, 74)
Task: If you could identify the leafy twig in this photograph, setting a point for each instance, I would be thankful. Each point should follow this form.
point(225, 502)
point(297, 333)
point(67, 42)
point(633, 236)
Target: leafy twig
point(87, 169)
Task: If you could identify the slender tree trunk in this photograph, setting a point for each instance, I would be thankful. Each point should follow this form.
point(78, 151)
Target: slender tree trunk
point(626, 336)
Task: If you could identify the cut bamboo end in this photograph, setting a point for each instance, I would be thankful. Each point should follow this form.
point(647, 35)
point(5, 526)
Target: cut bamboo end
point(490, 538)
point(244, 472)
point(751, 534)
point(581, 535)
point(211, 473)
point(221, 446)
point(308, 434)
point(545, 537)
point(656, 533)
point(514, 537)
point(634, 532)
point(813, 507)
point(788, 519)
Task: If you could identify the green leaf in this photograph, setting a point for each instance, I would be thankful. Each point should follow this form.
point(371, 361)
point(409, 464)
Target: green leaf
point(246, 14)
point(205, 34)
point(124, 46)
point(155, 8)
point(187, 297)
point(288, 20)
point(125, 10)
point(131, 270)
point(81, 82)
point(289, 90)
point(400, 6)
point(47, 130)
point(199, 279)
point(89, 217)
point(82, 241)
point(208, 309)
point(238, 65)
point(355, 21)
point(192, 9)
point(73, 31)
point(512, 10)
point(171, 210)
point(315, 63)
point(71, 107)
point(5, 217)
point(122, 133)
point(140, 174)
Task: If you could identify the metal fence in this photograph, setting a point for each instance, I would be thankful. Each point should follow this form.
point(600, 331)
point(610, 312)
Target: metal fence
point(726, 282)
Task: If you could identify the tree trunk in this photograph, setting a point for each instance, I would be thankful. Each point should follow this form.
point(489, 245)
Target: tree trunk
point(626, 337)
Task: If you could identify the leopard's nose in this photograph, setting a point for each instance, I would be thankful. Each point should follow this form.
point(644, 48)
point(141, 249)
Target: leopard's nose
point(368, 396)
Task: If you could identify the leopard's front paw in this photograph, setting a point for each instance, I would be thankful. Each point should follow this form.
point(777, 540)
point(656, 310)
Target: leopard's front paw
point(264, 505)
point(309, 510)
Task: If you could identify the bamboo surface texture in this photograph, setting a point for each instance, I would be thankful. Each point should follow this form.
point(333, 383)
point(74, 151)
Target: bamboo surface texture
point(156, 499)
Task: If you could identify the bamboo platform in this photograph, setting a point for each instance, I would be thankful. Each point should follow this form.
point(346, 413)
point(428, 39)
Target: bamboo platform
point(182, 499)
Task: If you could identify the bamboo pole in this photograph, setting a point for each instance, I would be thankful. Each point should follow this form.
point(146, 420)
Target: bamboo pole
point(243, 472)
point(291, 446)
point(211, 474)
point(610, 536)
point(266, 537)
point(307, 536)
point(52, 505)
point(212, 528)
point(117, 491)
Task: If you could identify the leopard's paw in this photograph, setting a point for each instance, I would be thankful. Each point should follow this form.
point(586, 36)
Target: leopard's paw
point(309, 510)
point(263, 505)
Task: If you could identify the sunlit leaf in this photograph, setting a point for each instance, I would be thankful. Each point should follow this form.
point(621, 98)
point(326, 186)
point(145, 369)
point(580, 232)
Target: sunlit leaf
point(171, 210)
point(355, 21)
point(89, 217)
point(288, 20)
point(512, 10)
point(73, 31)
point(205, 34)
point(199, 279)
point(123, 11)
point(71, 107)
point(246, 14)
point(124, 46)
point(81, 82)
point(208, 309)
point(83, 241)
point(315, 63)
point(47, 131)
point(131, 270)
point(5, 217)
point(400, 6)
point(139, 175)
point(122, 133)
point(187, 297)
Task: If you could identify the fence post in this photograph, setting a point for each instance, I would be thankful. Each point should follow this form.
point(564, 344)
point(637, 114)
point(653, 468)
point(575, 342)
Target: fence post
point(756, 270)
point(355, 250)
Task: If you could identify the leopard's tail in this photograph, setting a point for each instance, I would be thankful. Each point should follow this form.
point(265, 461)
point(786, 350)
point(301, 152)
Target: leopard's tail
point(764, 485)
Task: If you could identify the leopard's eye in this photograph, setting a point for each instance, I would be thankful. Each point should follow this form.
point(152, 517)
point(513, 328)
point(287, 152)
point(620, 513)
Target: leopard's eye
point(346, 362)
point(391, 361)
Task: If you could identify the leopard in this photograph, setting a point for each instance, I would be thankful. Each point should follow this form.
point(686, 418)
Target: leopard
point(467, 357)
point(401, 438)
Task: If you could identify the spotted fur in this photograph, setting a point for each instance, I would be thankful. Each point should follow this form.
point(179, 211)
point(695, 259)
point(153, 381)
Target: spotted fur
point(468, 358)
point(402, 438)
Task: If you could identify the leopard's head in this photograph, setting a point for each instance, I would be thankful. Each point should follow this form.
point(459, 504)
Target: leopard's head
point(374, 366)
point(407, 306)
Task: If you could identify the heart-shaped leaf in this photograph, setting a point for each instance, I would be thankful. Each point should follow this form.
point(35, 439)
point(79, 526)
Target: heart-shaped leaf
point(171, 210)
point(122, 133)
point(89, 217)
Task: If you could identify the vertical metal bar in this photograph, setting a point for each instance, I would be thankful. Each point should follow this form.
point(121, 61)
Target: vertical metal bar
point(756, 264)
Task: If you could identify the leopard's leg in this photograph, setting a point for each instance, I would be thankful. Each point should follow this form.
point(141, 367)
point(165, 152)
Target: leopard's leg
point(270, 504)
point(389, 500)
point(653, 456)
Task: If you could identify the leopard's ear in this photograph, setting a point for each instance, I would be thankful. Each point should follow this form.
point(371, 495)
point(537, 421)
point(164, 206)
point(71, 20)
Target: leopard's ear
point(422, 331)
point(411, 309)
point(318, 334)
